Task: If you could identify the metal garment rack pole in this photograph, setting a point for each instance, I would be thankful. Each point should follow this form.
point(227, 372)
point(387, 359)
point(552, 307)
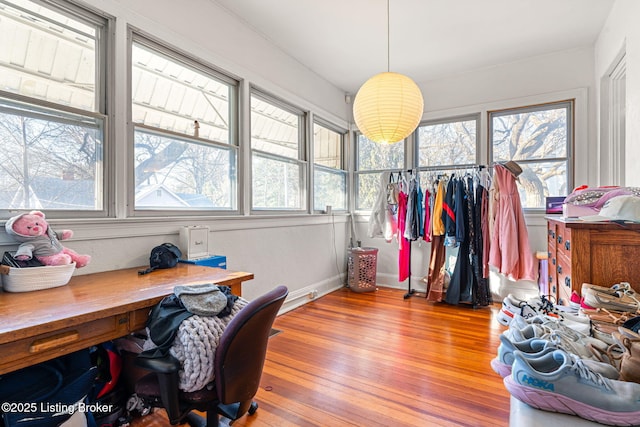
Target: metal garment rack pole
point(411, 292)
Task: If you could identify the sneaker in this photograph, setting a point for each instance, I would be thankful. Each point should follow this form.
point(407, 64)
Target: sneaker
point(575, 300)
point(567, 322)
point(617, 302)
point(624, 287)
point(561, 336)
point(533, 348)
point(560, 382)
point(512, 306)
point(501, 364)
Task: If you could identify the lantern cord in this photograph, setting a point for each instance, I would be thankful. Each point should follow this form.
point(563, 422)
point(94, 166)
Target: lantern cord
point(388, 38)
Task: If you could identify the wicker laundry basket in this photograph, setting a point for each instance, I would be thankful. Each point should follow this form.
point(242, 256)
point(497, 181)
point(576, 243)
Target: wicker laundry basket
point(35, 278)
point(362, 264)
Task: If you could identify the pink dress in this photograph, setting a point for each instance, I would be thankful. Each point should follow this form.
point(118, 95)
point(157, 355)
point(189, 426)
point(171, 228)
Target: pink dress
point(404, 253)
point(509, 251)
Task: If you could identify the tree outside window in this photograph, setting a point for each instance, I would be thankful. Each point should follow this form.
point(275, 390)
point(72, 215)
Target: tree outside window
point(539, 139)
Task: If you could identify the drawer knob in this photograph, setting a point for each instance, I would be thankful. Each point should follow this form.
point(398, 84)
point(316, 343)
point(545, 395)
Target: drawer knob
point(567, 245)
point(559, 269)
point(559, 239)
point(551, 279)
point(567, 281)
point(53, 341)
point(553, 261)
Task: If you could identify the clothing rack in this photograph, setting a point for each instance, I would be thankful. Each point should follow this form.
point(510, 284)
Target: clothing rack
point(410, 292)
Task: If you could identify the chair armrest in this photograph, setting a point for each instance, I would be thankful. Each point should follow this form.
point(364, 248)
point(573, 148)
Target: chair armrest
point(166, 370)
point(162, 365)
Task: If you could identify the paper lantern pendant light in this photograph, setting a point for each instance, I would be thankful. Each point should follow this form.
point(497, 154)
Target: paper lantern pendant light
point(388, 107)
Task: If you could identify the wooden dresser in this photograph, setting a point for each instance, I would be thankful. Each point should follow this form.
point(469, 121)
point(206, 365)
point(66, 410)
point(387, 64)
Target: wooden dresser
point(601, 253)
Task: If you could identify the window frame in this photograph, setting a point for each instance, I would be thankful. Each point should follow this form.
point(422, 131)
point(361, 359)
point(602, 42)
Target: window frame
point(137, 36)
point(358, 173)
point(449, 119)
point(570, 144)
point(104, 25)
point(301, 161)
point(343, 164)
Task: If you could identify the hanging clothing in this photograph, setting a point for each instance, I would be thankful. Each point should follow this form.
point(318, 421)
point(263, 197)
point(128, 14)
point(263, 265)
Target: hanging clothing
point(435, 278)
point(509, 251)
point(382, 221)
point(426, 232)
point(481, 291)
point(404, 248)
point(448, 213)
point(462, 278)
point(484, 211)
point(437, 223)
point(413, 218)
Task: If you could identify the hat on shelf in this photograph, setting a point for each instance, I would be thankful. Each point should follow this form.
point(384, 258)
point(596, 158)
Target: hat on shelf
point(620, 208)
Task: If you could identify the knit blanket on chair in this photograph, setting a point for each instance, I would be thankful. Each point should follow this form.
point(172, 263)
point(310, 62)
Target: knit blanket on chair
point(195, 347)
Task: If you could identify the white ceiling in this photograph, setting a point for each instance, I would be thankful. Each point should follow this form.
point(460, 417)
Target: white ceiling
point(345, 41)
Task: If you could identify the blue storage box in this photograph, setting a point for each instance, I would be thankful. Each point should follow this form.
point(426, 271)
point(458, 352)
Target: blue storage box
point(219, 261)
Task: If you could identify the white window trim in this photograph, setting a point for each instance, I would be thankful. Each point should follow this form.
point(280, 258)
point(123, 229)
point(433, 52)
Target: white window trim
point(141, 37)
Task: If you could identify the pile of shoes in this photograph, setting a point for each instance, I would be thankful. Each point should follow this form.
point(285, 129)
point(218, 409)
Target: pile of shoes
point(551, 359)
point(608, 308)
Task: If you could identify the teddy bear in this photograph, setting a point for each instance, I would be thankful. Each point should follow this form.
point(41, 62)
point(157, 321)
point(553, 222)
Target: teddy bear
point(40, 241)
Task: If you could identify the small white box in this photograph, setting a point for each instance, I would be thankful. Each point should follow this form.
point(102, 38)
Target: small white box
point(194, 241)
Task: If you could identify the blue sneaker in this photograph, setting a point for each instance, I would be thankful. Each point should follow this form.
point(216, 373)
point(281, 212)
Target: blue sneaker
point(560, 382)
point(535, 347)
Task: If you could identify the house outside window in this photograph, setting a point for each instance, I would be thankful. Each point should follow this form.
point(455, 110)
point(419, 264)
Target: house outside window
point(185, 144)
point(330, 176)
point(539, 138)
point(372, 159)
point(53, 80)
point(278, 157)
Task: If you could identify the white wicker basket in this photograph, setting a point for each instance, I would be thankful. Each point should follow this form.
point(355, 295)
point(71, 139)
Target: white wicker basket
point(36, 278)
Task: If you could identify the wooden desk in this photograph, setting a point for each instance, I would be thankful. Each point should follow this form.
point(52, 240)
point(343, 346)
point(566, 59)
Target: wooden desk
point(93, 308)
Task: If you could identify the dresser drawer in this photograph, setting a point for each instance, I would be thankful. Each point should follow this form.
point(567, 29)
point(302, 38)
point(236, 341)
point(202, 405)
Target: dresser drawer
point(564, 284)
point(55, 343)
point(138, 319)
point(564, 242)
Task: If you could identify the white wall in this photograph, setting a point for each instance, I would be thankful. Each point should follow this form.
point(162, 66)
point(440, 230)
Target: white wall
point(621, 32)
point(548, 78)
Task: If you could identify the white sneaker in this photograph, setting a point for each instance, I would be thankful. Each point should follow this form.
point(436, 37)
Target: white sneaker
point(512, 306)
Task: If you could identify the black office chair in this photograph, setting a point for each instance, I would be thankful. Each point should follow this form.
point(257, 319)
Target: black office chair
point(239, 360)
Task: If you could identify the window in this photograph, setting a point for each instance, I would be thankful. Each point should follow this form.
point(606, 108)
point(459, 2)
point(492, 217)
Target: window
point(372, 159)
point(446, 143)
point(539, 138)
point(277, 155)
point(52, 108)
point(329, 178)
point(185, 150)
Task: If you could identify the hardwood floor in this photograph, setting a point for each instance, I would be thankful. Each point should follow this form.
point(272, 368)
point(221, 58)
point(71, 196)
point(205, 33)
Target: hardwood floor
point(376, 359)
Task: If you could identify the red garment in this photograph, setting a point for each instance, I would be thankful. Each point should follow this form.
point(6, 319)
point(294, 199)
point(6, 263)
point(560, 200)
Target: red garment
point(509, 251)
point(426, 232)
point(404, 253)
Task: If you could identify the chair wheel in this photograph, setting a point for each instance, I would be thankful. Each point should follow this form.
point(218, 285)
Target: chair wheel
point(253, 408)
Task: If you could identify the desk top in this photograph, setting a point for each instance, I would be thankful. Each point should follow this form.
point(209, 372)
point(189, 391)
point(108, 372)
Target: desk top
point(99, 295)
